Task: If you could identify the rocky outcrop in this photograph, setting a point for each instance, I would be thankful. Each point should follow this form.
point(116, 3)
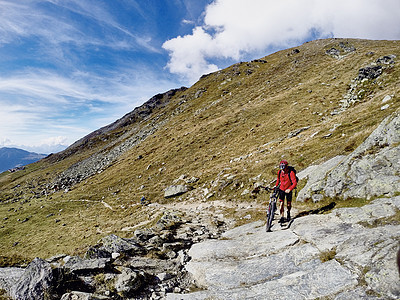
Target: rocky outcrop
point(349, 253)
point(145, 266)
point(9, 277)
point(126, 139)
point(371, 170)
point(35, 282)
point(360, 86)
point(137, 115)
point(341, 50)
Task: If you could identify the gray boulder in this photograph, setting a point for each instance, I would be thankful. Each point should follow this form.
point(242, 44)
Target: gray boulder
point(78, 265)
point(315, 178)
point(115, 244)
point(370, 72)
point(175, 190)
point(127, 282)
point(9, 277)
point(386, 60)
point(36, 281)
point(370, 171)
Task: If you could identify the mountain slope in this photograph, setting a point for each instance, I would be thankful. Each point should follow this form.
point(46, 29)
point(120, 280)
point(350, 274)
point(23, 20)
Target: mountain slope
point(219, 137)
point(13, 157)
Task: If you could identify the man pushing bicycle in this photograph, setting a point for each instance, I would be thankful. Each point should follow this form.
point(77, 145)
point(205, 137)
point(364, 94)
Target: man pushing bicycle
point(286, 181)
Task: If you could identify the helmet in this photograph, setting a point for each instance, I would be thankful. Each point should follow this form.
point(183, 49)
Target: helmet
point(283, 164)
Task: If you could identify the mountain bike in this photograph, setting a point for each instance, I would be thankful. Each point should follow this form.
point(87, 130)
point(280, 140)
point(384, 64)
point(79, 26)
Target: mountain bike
point(271, 206)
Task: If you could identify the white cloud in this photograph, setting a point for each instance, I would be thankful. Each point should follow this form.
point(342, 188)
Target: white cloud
point(233, 29)
point(5, 142)
point(188, 54)
point(57, 140)
point(32, 19)
point(72, 66)
point(184, 21)
point(38, 108)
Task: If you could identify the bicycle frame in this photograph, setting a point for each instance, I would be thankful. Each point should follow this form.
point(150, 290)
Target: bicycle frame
point(271, 208)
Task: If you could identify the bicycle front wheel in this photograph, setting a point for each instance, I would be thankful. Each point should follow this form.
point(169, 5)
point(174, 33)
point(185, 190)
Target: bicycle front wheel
point(270, 215)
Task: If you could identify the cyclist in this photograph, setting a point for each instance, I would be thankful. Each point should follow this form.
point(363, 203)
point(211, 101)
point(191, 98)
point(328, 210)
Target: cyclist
point(287, 180)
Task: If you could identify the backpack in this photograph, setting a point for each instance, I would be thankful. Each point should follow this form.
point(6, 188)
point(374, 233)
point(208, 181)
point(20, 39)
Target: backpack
point(292, 169)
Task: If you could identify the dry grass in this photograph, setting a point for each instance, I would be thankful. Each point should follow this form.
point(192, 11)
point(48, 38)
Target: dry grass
point(246, 111)
point(327, 255)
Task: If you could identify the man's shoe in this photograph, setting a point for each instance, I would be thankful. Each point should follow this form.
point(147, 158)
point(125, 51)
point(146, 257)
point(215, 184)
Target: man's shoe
point(288, 216)
point(282, 220)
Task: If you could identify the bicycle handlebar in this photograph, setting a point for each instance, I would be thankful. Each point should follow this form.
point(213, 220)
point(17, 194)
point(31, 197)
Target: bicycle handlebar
point(267, 188)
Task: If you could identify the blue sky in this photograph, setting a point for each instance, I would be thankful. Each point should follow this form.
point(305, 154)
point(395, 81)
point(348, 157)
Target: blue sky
point(68, 67)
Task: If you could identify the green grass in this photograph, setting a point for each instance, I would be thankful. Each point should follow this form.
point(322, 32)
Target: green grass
point(246, 116)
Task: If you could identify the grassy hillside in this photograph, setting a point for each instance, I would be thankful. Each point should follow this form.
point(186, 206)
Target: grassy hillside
point(230, 129)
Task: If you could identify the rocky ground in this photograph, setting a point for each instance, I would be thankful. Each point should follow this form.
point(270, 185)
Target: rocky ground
point(145, 266)
point(349, 253)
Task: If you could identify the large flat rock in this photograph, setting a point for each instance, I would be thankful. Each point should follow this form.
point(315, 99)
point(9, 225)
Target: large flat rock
point(349, 253)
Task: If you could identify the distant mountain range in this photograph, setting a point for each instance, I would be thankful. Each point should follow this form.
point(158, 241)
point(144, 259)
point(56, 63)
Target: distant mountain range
point(13, 157)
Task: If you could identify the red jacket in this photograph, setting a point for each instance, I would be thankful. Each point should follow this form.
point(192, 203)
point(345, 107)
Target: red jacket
point(285, 181)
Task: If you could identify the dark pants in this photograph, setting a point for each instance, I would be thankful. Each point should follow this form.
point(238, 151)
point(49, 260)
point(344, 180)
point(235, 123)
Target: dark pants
point(282, 196)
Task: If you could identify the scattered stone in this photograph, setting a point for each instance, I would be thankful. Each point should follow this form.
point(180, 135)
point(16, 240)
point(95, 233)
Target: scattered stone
point(81, 296)
point(175, 190)
point(370, 72)
point(116, 244)
point(199, 93)
point(297, 132)
point(127, 282)
point(345, 48)
point(263, 61)
point(164, 276)
point(80, 266)
point(327, 135)
point(387, 98)
point(386, 60)
point(115, 255)
point(333, 52)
